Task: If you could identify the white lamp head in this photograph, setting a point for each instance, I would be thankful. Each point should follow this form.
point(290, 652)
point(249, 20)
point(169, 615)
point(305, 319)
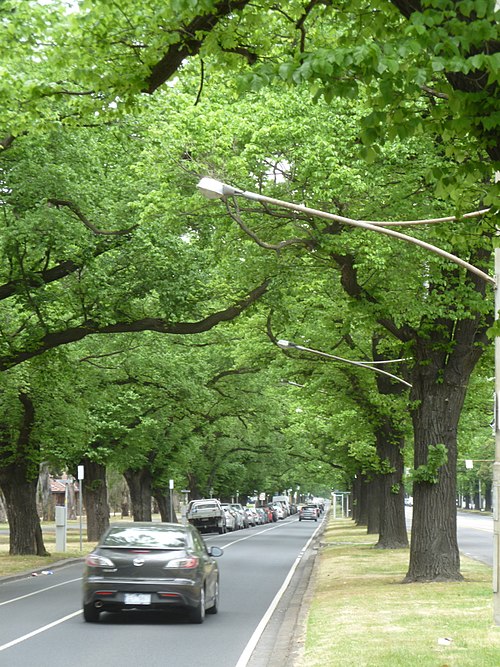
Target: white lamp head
point(213, 189)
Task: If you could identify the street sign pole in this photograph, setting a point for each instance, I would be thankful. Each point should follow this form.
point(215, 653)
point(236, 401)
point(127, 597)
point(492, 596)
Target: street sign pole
point(81, 475)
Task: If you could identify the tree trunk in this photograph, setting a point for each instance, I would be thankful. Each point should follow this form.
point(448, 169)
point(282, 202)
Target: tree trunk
point(362, 501)
point(389, 442)
point(125, 504)
point(20, 501)
point(139, 484)
point(393, 533)
point(162, 497)
point(373, 489)
point(18, 484)
point(195, 492)
point(70, 498)
point(44, 494)
point(488, 497)
point(477, 501)
point(438, 399)
point(3, 511)
point(95, 498)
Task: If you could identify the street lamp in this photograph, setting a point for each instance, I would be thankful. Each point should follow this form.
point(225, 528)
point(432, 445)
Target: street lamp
point(214, 189)
point(287, 344)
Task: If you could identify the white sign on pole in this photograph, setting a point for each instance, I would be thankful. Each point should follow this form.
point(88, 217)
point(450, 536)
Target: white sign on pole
point(171, 484)
point(81, 472)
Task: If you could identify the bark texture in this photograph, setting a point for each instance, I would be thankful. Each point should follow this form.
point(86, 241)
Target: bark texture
point(95, 498)
point(393, 533)
point(166, 508)
point(18, 482)
point(140, 487)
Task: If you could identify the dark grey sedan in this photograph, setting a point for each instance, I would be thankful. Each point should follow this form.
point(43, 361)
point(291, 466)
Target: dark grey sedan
point(151, 566)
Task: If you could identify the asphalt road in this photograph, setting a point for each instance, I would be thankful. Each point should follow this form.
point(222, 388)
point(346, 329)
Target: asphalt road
point(41, 622)
point(475, 536)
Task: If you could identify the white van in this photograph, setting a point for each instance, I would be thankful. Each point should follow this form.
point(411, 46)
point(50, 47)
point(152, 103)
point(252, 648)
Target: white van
point(285, 503)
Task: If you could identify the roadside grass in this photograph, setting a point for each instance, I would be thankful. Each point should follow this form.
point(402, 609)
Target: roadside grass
point(362, 614)
point(10, 565)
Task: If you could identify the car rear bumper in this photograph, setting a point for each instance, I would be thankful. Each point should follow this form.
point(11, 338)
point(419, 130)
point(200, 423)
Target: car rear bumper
point(109, 595)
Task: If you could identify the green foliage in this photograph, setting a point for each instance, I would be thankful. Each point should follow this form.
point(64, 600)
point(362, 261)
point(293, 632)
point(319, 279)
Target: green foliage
point(363, 118)
point(429, 472)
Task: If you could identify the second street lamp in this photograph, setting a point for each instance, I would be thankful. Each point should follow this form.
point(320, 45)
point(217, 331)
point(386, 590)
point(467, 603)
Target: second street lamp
point(286, 345)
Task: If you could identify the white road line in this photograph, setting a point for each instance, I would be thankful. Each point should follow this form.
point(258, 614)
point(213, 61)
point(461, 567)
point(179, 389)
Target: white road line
point(261, 532)
point(40, 630)
point(254, 639)
point(42, 590)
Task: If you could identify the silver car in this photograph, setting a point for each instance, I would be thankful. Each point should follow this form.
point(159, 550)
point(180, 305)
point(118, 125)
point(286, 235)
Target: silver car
point(151, 566)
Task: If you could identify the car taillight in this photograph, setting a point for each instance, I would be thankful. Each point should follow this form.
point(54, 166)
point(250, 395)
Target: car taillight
point(186, 563)
point(95, 560)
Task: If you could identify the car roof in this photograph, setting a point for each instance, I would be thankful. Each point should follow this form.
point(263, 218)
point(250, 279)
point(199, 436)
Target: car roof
point(147, 524)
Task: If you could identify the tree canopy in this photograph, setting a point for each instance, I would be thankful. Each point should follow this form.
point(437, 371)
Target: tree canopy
point(168, 305)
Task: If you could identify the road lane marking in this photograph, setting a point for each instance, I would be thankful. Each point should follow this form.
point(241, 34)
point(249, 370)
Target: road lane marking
point(42, 590)
point(40, 630)
point(247, 537)
point(254, 639)
point(261, 532)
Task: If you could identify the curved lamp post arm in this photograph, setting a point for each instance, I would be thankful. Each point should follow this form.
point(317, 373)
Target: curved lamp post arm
point(214, 189)
point(286, 345)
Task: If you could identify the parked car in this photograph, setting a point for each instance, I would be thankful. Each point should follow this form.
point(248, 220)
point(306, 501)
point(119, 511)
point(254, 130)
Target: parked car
point(271, 513)
point(308, 512)
point(262, 514)
point(278, 507)
point(284, 501)
point(238, 507)
point(206, 515)
point(151, 566)
point(231, 520)
point(252, 517)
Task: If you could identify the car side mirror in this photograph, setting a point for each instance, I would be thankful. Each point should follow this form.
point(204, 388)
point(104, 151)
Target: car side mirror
point(215, 551)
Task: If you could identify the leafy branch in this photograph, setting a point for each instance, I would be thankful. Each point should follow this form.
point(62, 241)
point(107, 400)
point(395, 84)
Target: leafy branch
point(437, 456)
point(74, 334)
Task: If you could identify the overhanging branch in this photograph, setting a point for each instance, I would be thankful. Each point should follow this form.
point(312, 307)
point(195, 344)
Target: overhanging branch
point(74, 334)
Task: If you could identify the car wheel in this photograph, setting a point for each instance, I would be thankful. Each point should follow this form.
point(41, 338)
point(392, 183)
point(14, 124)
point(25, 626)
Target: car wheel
point(215, 607)
point(198, 613)
point(90, 613)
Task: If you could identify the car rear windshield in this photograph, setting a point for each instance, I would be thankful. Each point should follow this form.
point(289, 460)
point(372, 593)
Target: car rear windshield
point(154, 537)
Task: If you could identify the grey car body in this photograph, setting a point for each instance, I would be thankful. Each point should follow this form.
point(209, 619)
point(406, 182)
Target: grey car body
point(308, 512)
point(146, 566)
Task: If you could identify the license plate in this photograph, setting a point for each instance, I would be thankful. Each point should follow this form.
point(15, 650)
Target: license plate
point(137, 598)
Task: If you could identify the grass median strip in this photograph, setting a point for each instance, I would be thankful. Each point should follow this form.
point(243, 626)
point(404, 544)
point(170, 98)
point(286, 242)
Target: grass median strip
point(362, 614)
